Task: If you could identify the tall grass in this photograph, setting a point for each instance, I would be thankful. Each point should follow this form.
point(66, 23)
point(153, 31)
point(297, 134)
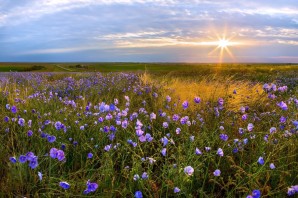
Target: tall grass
point(115, 169)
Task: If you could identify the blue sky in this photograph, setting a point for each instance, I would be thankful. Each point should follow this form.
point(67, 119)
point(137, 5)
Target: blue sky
point(148, 31)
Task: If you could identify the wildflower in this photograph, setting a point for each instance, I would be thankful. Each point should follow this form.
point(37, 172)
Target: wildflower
point(256, 194)
point(29, 133)
point(152, 116)
point(198, 152)
point(224, 137)
point(21, 122)
point(7, 106)
point(261, 160)
point(197, 100)
point(178, 130)
point(22, 159)
point(189, 170)
point(272, 130)
point(145, 176)
point(107, 147)
point(40, 176)
point(91, 187)
point(220, 152)
point(53, 153)
point(58, 125)
point(217, 172)
point(185, 104)
point(176, 190)
point(164, 152)
point(272, 166)
point(136, 177)
point(282, 105)
point(165, 125)
point(292, 190)
point(220, 101)
point(244, 117)
point(51, 139)
point(64, 185)
point(138, 194)
point(192, 138)
point(164, 140)
point(250, 127)
point(13, 160)
point(283, 119)
point(33, 163)
point(14, 109)
point(168, 98)
point(90, 155)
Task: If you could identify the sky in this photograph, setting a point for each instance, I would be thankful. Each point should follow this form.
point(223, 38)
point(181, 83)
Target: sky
point(148, 31)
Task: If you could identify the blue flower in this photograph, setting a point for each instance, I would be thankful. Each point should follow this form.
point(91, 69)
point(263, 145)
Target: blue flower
point(272, 166)
point(250, 127)
point(220, 152)
point(176, 190)
point(33, 163)
point(261, 160)
point(64, 185)
point(138, 194)
point(22, 159)
point(185, 104)
point(256, 194)
point(13, 160)
point(224, 137)
point(91, 187)
point(189, 170)
point(51, 138)
point(53, 153)
point(14, 109)
point(144, 176)
point(217, 172)
point(164, 152)
point(198, 151)
point(90, 155)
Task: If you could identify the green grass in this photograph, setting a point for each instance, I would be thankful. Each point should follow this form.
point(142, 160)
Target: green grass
point(114, 170)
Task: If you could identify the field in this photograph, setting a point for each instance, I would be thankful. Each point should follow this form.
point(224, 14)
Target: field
point(151, 130)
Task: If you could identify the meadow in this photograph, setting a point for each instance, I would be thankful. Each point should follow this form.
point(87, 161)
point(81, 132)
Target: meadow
point(148, 130)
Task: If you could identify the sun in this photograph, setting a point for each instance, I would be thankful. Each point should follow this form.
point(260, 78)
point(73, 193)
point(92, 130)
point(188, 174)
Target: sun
point(223, 43)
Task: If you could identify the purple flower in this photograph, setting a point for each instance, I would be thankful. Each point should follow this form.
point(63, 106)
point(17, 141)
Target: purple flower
point(145, 176)
point(185, 104)
point(30, 133)
point(292, 190)
point(91, 187)
point(220, 152)
point(30, 156)
point(283, 119)
point(250, 127)
point(138, 194)
point(90, 155)
point(22, 159)
point(33, 163)
point(220, 101)
point(198, 151)
point(107, 147)
point(60, 155)
point(14, 109)
point(272, 130)
point(165, 141)
point(165, 125)
point(282, 105)
point(176, 190)
point(51, 138)
point(168, 98)
point(272, 166)
point(164, 152)
point(21, 122)
point(53, 153)
point(256, 194)
point(197, 100)
point(261, 160)
point(13, 160)
point(58, 125)
point(244, 117)
point(64, 185)
point(224, 137)
point(216, 173)
point(189, 170)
